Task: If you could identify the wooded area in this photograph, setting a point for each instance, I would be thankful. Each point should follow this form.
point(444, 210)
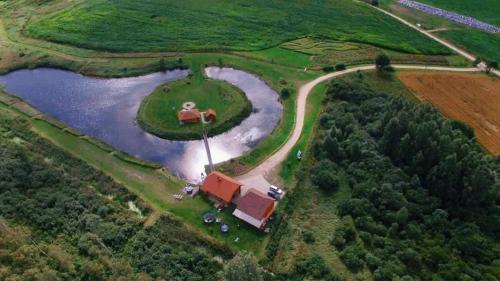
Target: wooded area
point(424, 201)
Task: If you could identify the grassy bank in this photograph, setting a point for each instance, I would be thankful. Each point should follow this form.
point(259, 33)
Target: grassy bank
point(158, 111)
point(314, 107)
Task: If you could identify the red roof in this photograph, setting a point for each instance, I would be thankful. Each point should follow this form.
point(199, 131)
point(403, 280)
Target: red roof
point(210, 114)
point(256, 205)
point(221, 186)
point(189, 115)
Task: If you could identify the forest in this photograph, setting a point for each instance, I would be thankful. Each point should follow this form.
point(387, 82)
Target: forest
point(424, 196)
point(61, 219)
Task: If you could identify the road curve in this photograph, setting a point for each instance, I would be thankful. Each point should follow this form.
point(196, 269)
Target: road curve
point(263, 169)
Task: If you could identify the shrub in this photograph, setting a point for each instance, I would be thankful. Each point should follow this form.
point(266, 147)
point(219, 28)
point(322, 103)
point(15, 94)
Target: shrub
point(328, 68)
point(340, 66)
point(353, 257)
point(308, 236)
point(285, 93)
point(382, 62)
point(324, 177)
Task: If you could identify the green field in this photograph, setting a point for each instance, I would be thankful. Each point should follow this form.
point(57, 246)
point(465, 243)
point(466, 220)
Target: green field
point(158, 111)
point(158, 25)
point(484, 10)
point(481, 44)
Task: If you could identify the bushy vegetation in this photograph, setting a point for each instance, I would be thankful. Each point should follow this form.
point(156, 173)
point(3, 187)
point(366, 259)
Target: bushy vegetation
point(424, 197)
point(62, 225)
point(159, 25)
point(312, 268)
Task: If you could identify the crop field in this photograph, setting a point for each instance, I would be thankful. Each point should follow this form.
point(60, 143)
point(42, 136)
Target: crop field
point(480, 43)
point(484, 10)
point(329, 52)
point(156, 25)
point(470, 98)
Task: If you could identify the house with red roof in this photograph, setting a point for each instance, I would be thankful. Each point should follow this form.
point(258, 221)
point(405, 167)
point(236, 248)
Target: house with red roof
point(210, 115)
point(189, 116)
point(254, 208)
point(221, 187)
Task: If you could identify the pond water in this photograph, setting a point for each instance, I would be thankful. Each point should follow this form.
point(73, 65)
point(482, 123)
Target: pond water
point(106, 109)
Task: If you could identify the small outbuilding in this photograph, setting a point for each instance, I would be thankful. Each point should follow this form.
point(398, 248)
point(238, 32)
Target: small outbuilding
point(254, 208)
point(189, 116)
point(210, 115)
point(222, 187)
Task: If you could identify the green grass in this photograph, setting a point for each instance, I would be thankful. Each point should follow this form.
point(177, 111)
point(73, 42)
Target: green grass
point(280, 55)
point(482, 43)
point(484, 10)
point(479, 43)
point(314, 100)
point(158, 25)
point(158, 111)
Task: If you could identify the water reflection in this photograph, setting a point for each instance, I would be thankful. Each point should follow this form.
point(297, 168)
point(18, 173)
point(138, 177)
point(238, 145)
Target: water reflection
point(106, 109)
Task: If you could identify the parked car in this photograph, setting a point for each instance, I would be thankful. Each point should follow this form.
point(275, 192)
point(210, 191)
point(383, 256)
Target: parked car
point(273, 195)
point(276, 189)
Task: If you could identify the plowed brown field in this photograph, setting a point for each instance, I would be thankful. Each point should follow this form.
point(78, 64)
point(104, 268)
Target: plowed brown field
point(471, 98)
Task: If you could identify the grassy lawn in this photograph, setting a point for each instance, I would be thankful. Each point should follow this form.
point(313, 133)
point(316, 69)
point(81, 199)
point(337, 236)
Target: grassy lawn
point(158, 111)
point(159, 25)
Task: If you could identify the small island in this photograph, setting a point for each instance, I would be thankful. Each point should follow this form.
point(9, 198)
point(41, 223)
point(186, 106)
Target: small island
point(169, 111)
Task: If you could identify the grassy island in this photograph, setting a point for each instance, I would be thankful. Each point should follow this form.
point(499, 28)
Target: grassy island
point(158, 111)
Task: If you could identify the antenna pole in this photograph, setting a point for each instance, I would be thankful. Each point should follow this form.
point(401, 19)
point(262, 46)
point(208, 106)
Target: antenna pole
point(207, 148)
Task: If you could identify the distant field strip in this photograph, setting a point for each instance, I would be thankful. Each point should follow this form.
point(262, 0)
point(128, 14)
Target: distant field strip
point(461, 19)
point(214, 25)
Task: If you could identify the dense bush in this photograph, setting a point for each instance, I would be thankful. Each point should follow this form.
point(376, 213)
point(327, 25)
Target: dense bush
point(424, 201)
point(63, 203)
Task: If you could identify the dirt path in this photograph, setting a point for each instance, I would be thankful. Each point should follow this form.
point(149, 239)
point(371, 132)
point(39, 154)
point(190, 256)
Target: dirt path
point(429, 34)
point(266, 168)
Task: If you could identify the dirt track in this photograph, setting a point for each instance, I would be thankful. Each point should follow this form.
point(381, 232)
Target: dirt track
point(472, 99)
point(266, 167)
